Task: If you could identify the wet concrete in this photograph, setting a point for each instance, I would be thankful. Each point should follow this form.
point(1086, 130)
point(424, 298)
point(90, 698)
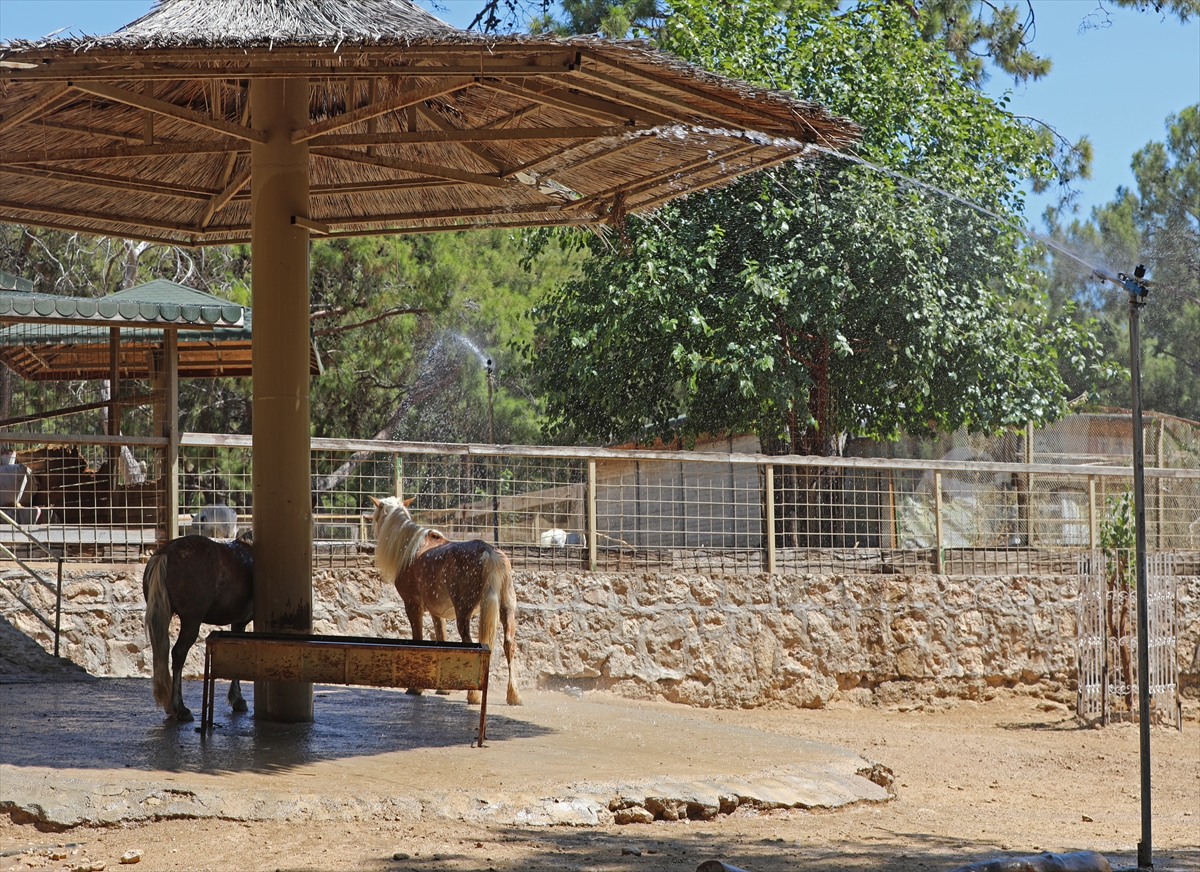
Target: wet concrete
point(97, 752)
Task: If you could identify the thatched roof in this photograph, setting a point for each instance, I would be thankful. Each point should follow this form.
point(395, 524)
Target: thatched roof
point(44, 337)
point(414, 125)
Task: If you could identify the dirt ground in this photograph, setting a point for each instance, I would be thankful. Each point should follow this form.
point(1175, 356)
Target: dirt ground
point(974, 780)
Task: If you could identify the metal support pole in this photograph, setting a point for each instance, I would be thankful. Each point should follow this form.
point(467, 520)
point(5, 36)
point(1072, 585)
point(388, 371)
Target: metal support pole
point(170, 472)
point(769, 471)
point(938, 560)
point(591, 498)
point(282, 460)
point(1136, 301)
point(399, 477)
point(491, 377)
point(1093, 533)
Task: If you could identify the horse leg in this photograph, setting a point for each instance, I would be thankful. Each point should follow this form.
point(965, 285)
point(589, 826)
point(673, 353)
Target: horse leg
point(188, 632)
point(416, 614)
point(508, 621)
point(235, 687)
point(439, 633)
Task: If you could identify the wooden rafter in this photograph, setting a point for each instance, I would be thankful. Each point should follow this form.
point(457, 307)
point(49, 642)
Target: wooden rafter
point(218, 201)
point(479, 134)
point(408, 97)
point(440, 214)
point(614, 85)
point(373, 187)
point(84, 215)
point(589, 107)
point(478, 151)
point(170, 110)
point(106, 180)
point(107, 152)
point(91, 131)
point(749, 168)
point(410, 166)
point(43, 101)
point(138, 232)
point(650, 181)
point(59, 71)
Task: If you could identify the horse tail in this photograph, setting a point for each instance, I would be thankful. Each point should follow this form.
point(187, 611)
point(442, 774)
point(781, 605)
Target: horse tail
point(158, 626)
point(496, 576)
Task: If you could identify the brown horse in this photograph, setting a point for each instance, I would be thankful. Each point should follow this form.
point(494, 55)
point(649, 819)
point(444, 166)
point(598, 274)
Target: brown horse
point(204, 582)
point(447, 579)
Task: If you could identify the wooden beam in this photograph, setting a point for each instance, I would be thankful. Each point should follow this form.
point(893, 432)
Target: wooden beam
point(689, 107)
point(92, 131)
point(170, 110)
point(105, 180)
point(86, 215)
point(465, 225)
point(110, 152)
point(318, 227)
point(473, 135)
point(137, 233)
point(409, 166)
point(476, 150)
point(584, 161)
point(407, 97)
point(218, 201)
point(58, 71)
point(431, 215)
point(589, 107)
point(725, 174)
point(719, 100)
point(377, 187)
point(649, 181)
point(44, 101)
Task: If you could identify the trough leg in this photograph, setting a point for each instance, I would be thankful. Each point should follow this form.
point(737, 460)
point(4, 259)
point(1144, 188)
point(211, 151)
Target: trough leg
point(206, 696)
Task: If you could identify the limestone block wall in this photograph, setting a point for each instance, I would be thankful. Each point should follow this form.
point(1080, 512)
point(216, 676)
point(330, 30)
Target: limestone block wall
point(700, 639)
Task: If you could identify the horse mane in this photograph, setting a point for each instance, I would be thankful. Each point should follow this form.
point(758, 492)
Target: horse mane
point(398, 542)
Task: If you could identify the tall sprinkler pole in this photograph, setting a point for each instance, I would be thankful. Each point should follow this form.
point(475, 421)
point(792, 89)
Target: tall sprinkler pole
point(1138, 288)
point(491, 380)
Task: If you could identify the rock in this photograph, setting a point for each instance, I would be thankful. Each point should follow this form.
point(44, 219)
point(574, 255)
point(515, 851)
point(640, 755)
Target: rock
point(130, 857)
point(399, 855)
point(631, 851)
point(635, 814)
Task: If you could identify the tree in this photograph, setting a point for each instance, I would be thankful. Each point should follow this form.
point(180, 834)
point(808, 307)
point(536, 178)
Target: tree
point(1157, 224)
point(807, 302)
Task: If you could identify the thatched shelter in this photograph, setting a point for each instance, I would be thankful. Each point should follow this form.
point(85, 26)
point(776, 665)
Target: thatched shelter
point(215, 121)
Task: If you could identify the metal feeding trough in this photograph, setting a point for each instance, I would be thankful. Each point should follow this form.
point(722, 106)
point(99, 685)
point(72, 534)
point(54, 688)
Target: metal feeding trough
point(351, 660)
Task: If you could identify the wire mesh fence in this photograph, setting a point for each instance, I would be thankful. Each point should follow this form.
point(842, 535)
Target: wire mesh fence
point(580, 508)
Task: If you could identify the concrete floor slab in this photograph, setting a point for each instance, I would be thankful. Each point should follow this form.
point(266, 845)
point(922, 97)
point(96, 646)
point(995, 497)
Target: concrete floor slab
point(96, 751)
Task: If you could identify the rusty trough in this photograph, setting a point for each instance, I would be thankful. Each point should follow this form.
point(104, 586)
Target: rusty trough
point(351, 660)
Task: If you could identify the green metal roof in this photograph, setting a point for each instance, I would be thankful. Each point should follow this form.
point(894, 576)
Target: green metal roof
point(157, 303)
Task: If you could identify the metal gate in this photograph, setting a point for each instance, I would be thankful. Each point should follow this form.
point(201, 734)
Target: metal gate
point(1106, 639)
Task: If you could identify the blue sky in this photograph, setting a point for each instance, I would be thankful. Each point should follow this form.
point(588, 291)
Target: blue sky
point(1116, 80)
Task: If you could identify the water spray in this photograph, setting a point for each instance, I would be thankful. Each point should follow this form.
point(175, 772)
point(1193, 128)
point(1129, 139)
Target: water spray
point(1138, 289)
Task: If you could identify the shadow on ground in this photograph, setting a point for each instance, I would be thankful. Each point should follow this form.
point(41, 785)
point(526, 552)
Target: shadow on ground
point(682, 847)
point(111, 723)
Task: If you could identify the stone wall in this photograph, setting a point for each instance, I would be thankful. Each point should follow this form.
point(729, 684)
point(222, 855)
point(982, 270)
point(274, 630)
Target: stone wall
point(699, 639)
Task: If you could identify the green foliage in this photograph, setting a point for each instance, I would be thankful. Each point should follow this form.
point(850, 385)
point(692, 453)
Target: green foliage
point(1118, 539)
point(1157, 224)
point(826, 298)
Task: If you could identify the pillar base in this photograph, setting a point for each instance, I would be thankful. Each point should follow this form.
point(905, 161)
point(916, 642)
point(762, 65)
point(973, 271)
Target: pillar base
point(285, 702)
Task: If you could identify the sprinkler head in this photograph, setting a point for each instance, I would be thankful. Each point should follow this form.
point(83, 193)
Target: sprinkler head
point(1139, 272)
point(491, 367)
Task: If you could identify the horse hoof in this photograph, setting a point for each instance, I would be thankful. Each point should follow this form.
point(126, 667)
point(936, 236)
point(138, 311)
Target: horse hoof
point(474, 697)
point(184, 716)
point(413, 691)
point(239, 705)
point(514, 698)
point(442, 692)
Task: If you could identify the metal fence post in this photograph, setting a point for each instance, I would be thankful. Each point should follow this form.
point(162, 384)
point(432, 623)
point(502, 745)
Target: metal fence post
point(939, 560)
point(591, 498)
point(769, 470)
point(1093, 535)
point(399, 472)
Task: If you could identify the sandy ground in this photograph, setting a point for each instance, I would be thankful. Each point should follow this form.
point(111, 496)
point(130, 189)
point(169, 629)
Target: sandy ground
point(975, 780)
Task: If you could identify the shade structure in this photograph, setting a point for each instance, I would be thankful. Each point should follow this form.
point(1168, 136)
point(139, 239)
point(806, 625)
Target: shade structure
point(216, 121)
point(412, 124)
